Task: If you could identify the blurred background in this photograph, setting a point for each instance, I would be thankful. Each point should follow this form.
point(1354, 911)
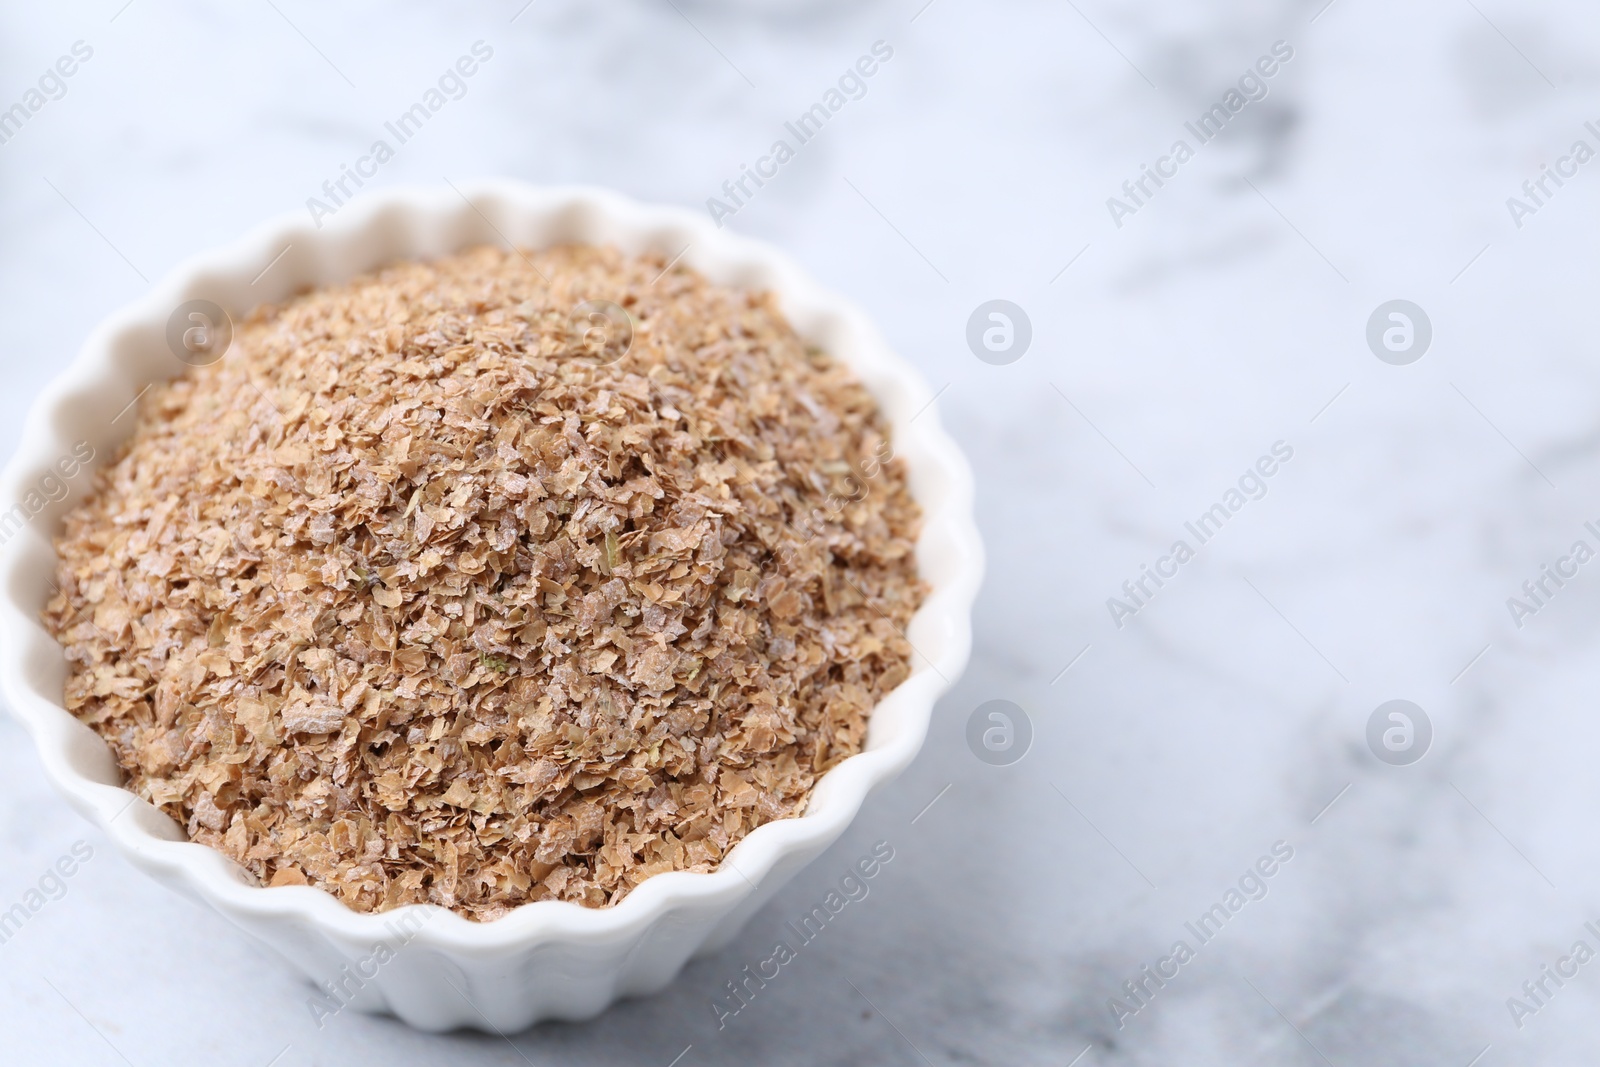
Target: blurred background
point(1180, 331)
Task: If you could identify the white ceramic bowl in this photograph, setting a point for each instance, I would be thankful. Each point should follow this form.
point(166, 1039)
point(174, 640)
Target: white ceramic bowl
point(545, 960)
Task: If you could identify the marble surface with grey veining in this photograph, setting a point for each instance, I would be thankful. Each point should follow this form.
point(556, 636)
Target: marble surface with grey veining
point(1428, 912)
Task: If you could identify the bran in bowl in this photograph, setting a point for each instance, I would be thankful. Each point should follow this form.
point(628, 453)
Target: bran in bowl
point(420, 594)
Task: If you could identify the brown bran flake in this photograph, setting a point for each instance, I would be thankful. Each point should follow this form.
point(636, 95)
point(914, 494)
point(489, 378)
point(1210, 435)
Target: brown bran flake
point(409, 599)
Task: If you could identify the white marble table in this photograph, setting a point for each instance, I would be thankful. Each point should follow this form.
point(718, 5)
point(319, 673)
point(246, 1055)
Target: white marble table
point(1226, 313)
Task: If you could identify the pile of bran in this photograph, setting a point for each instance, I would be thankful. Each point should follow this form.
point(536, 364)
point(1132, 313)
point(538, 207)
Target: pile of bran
point(409, 598)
